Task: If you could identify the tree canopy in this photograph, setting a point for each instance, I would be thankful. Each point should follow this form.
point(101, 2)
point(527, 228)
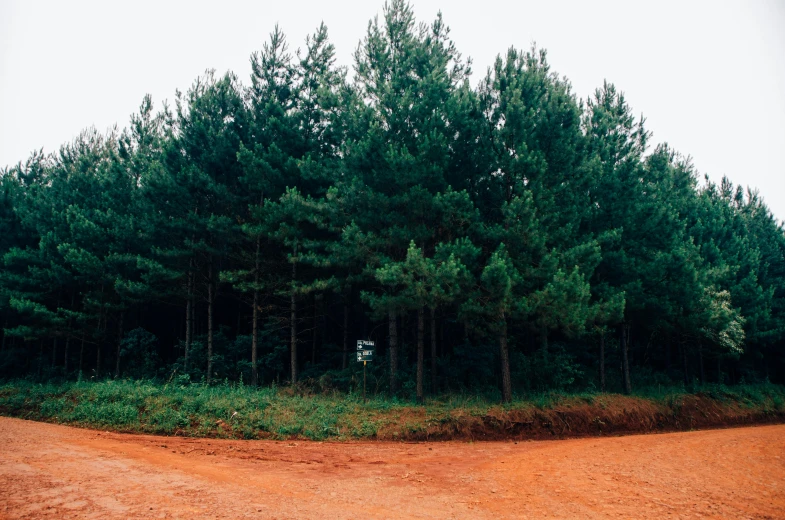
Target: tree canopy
point(530, 239)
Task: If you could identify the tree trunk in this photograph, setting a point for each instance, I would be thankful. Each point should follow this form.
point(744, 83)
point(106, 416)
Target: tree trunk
point(98, 336)
point(441, 344)
point(393, 328)
point(420, 352)
point(254, 339)
point(345, 360)
point(194, 316)
point(700, 360)
point(719, 370)
point(239, 318)
point(98, 346)
point(81, 357)
point(40, 356)
point(504, 355)
point(433, 351)
point(602, 361)
point(188, 316)
point(255, 317)
point(68, 339)
point(317, 312)
point(544, 345)
point(625, 354)
point(684, 363)
point(54, 339)
point(293, 321)
point(668, 347)
point(210, 321)
point(119, 341)
point(65, 357)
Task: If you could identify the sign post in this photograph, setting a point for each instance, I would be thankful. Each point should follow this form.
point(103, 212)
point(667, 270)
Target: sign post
point(365, 354)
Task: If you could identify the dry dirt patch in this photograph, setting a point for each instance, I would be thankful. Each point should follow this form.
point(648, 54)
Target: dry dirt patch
point(52, 471)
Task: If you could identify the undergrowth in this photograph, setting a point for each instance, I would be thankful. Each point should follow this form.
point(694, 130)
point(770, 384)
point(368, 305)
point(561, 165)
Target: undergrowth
point(236, 411)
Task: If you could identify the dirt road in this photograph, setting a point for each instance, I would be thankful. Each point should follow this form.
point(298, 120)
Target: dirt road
point(50, 471)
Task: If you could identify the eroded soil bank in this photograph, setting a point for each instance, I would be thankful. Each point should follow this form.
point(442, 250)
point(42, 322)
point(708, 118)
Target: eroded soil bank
point(52, 471)
point(285, 414)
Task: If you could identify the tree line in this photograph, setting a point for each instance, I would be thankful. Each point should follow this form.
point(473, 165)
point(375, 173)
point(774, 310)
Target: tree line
point(507, 236)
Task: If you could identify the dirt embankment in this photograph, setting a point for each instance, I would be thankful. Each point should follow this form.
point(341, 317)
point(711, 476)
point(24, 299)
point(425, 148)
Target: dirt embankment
point(249, 414)
point(57, 472)
point(576, 417)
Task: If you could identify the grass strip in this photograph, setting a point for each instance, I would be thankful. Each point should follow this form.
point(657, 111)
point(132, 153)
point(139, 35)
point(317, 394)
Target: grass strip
point(236, 411)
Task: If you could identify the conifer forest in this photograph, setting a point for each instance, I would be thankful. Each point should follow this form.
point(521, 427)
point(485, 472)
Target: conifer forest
point(504, 237)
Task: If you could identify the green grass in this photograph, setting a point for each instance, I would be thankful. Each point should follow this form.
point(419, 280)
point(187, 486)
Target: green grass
point(242, 412)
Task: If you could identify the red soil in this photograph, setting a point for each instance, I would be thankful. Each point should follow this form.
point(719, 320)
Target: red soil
point(51, 471)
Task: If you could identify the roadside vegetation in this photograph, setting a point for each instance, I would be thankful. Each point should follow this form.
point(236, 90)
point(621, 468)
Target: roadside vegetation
point(238, 411)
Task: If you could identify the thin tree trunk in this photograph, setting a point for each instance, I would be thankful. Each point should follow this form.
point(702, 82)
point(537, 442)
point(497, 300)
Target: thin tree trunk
point(544, 345)
point(602, 361)
point(65, 358)
point(625, 347)
point(194, 316)
point(393, 328)
point(293, 321)
point(433, 350)
point(239, 318)
point(254, 339)
point(684, 363)
point(68, 339)
point(119, 342)
point(81, 357)
point(313, 338)
point(255, 317)
point(700, 360)
point(504, 356)
point(189, 316)
point(98, 347)
point(442, 346)
point(40, 356)
point(5, 326)
point(54, 339)
point(210, 296)
point(98, 336)
point(317, 311)
point(719, 370)
point(668, 347)
point(420, 352)
point(345, 360)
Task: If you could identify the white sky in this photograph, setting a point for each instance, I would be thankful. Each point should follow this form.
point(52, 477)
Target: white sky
point(708, 76)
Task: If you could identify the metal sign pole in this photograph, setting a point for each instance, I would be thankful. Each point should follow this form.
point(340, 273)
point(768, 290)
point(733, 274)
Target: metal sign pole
point(364, 354)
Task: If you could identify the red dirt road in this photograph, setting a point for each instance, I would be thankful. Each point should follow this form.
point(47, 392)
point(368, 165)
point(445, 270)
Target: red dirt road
point(50, 471)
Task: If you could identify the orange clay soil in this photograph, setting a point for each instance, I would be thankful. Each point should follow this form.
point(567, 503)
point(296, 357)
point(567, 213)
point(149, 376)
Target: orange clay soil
point(52, 471)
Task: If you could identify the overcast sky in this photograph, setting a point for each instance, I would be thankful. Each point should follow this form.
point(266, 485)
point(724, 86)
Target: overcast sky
point(708, 76)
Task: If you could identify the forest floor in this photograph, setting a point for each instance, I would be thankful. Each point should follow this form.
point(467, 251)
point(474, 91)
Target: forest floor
point(55, 471)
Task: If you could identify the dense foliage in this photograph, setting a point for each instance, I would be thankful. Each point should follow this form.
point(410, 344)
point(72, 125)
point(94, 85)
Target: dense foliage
point(527, 239)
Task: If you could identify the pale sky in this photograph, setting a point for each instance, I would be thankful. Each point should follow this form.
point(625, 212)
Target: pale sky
point(708, 76)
